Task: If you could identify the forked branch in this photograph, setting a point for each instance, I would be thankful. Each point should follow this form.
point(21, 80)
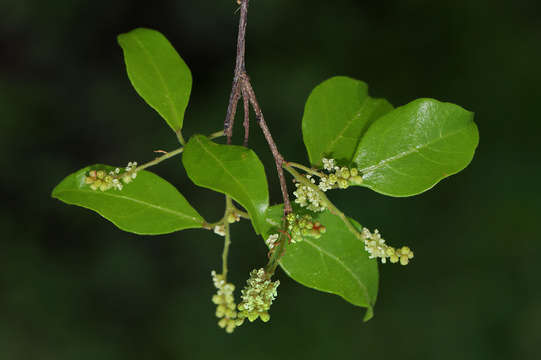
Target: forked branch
point(242, 87)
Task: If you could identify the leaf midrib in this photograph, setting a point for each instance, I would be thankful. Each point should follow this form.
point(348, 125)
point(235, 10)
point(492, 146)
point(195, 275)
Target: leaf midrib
point(162, 79)
point(348, 124)
point(409, 152)
point(136, 201)
point(242, 187)
point(341, 263)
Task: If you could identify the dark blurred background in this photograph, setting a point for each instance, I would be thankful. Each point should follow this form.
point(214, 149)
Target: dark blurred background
point(72, 286)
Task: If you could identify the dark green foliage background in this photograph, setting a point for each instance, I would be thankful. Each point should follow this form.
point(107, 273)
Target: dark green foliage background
point(72, 286)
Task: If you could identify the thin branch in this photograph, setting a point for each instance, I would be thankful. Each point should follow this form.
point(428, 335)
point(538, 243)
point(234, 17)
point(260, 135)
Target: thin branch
point(158, 160)
point(246, 123)
point(305, 169)
point(278, 159)
point(227, 240)
point(242, 87)
point(170, 154)
point(240, 69)
point(231, 110)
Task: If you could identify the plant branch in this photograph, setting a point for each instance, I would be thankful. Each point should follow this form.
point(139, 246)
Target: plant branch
point(305, 169)
point(158, 160)
point(278, 159)
point(175, 152)
point(246, 123)
point(243, 87)
point(227, 241)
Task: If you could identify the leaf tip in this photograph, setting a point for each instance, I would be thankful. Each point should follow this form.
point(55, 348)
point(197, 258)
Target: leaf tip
point(369, 314)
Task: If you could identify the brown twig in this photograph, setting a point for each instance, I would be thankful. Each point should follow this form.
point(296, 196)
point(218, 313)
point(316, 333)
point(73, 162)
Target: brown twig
point(243, 87)
point(246, 123)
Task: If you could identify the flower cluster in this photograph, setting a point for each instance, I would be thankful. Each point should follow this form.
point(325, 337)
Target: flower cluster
point(338, 177)
point(301, 226)
point(334, 177)
point(376, 247)
point(225, 303)
point(307, 197)
point(232, 217)
point(272, 241)
point(257, 296)
point(99, 179)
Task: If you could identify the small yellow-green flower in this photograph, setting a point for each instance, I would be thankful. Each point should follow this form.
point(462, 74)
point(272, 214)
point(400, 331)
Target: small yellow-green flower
point(257, 296)
point(226, 309)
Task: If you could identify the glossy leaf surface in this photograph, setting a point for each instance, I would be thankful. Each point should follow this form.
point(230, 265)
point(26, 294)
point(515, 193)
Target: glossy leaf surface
point(336, 115)
point(335, 263)
point(229, 169)
point(148, 205)
point(410, 149)
point(158, 73)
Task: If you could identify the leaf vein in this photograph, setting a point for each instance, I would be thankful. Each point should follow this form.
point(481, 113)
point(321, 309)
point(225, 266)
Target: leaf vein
point(161, 208)
point(341, 263)
point(384, 162)
point(162, 79)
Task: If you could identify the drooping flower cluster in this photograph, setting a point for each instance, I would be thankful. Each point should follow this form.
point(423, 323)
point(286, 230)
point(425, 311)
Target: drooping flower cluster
point(225, 304)
point(375, 245)
point(334, 177)
point(103, 181)
point(303, 226)
point(257, 296)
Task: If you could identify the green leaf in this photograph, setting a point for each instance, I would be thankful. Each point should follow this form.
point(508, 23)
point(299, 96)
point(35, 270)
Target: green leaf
point(232, 170)
point(149, 205)
point(410, 149)
point(336, 114)
point(158, 73)
point(335, 263)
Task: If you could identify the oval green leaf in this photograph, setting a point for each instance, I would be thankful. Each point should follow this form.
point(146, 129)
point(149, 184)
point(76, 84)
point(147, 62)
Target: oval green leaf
point(229, 169)
point(158, 73)
point(149, 205)
point(410, 149)
point(336, 114)
point(335, 263)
